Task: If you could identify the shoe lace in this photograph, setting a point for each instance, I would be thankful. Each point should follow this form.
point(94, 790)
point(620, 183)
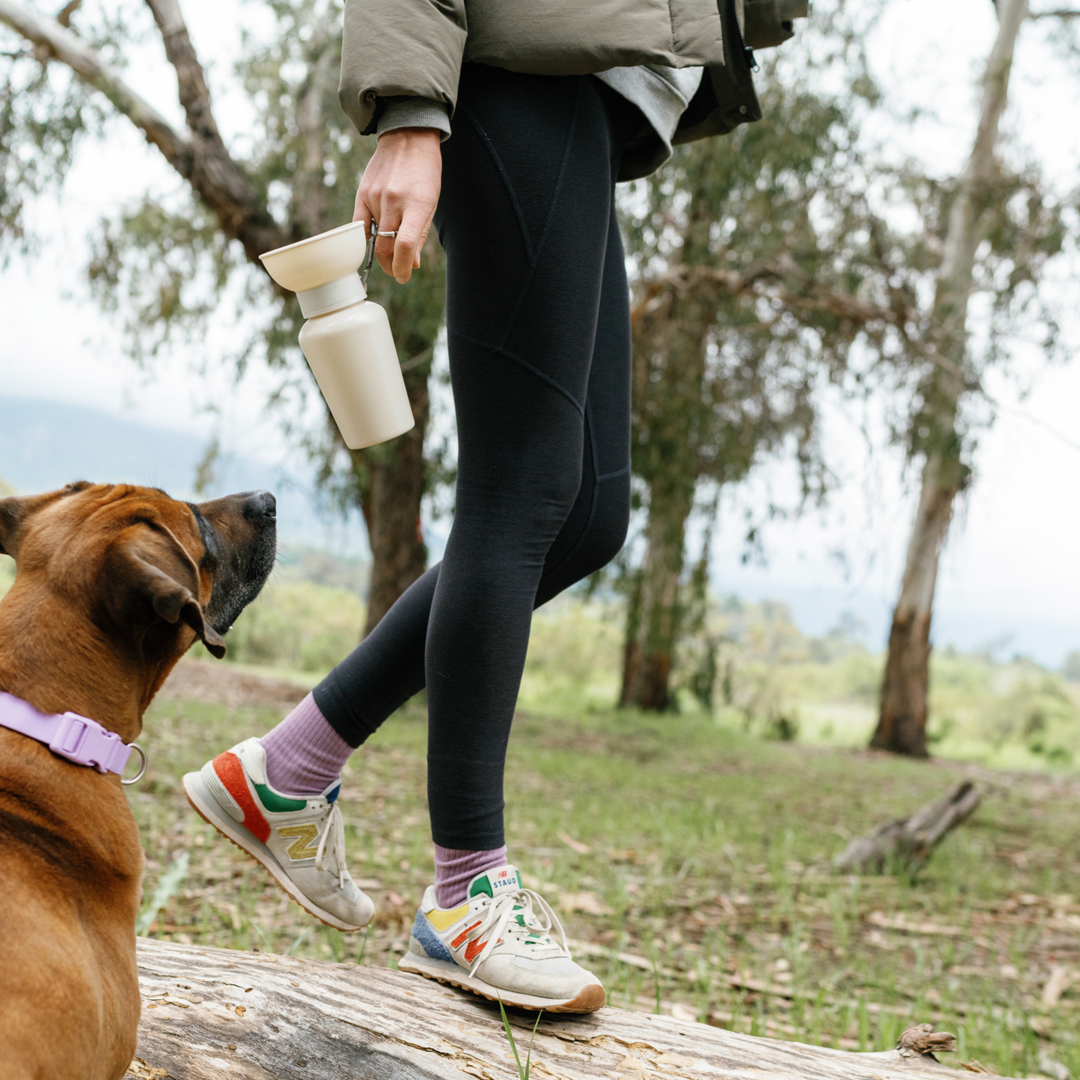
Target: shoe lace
point(536, 914)
point(332, 846)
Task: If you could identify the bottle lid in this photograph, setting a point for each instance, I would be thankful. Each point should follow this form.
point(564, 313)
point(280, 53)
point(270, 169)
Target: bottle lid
point(331, 296)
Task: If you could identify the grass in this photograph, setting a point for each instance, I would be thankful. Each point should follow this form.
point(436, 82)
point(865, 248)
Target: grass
point(689, 861)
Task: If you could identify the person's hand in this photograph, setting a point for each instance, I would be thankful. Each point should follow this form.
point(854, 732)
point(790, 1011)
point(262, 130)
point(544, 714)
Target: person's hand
point(400, 190)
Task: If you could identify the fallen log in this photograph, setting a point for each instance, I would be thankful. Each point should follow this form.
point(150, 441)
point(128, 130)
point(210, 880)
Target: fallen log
point(230, 1015)
point(906, 843)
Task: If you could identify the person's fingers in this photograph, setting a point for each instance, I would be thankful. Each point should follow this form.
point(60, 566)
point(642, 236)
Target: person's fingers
point(362, 209)
point(412, 232)
point(385, 246)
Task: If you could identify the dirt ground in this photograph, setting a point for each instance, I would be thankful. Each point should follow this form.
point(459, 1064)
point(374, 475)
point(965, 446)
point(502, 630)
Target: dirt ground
point(219, 683)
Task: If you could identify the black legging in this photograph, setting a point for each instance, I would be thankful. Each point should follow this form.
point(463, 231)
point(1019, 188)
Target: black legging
point(538, 323)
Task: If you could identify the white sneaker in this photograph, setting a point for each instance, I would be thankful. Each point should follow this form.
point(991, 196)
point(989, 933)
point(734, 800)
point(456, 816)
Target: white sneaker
point(301, 841)
point(498, 944)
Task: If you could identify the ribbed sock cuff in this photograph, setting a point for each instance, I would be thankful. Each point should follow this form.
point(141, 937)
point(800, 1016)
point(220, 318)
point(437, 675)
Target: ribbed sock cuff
point(304, 754)
point(455, 869)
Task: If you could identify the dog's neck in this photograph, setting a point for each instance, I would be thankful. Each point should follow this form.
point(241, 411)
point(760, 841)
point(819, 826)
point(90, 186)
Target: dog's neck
point(67, 664)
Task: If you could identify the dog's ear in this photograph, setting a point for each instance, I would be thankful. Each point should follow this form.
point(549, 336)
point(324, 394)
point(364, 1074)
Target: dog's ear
point(148, 565)
point(13, 512)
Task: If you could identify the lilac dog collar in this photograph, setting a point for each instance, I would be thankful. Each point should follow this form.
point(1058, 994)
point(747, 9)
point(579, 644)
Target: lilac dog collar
point(77, 738)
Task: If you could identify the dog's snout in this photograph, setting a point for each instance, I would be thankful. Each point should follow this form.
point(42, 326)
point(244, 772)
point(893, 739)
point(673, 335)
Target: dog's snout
point(259, 504)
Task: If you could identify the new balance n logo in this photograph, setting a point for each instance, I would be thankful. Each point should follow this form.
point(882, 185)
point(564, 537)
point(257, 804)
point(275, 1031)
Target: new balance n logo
point(304, 846)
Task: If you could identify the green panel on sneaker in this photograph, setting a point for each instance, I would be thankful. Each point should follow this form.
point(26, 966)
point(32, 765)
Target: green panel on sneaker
point(278, 804)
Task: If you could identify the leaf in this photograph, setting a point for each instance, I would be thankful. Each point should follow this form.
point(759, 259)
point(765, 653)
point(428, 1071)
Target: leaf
point(1056, 985)
point(572, 844)
point(585, 902)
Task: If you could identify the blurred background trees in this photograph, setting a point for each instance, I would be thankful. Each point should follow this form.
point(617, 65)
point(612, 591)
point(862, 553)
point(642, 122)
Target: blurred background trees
point(165, 270)
point(801, 259)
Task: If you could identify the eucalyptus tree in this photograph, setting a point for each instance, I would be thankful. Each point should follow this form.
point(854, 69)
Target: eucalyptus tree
point(996, 228)
point(794, 254)
point(166, 267)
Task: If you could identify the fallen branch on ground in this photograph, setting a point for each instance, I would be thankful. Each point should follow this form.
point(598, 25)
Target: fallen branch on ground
point(907, 842)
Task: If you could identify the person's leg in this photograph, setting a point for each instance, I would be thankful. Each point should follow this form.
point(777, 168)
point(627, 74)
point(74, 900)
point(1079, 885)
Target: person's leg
point(387, 668)
point(594, 532)
point(543, 434)
point(524, 218)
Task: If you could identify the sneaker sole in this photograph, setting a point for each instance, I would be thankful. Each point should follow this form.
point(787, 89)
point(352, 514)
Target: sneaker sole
point(203, 803)
point(588, 998)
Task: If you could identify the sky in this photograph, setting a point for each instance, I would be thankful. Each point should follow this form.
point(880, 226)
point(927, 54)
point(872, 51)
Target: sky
point(1010, 575)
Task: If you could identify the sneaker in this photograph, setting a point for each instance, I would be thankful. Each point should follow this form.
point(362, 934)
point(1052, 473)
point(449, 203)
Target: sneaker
point(499, 944)
point(301, 841)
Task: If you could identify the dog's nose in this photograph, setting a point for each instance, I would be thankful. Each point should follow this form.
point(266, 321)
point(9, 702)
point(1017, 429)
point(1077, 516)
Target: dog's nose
point(259, 504)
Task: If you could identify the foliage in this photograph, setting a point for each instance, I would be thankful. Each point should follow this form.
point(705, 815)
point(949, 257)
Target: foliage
point(796, 254)
point(44, 117)
point(298, 626)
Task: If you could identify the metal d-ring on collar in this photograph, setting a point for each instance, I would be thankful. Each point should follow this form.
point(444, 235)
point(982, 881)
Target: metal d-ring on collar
point(142, 768)
point(375, 234)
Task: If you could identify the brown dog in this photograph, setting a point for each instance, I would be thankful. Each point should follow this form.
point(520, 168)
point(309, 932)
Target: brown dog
point(113, 584)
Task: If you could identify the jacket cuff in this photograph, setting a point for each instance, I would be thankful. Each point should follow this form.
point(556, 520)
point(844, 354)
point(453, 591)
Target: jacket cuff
point(413, 112)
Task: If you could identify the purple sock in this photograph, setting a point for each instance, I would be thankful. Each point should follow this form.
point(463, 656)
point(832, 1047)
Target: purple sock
point(304, 754)
point(455, 869)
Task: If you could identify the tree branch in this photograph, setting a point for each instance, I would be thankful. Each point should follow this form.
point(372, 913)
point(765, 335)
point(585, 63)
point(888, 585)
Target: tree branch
point(202, 160)
point(219, 181)
point(796, 291)
point(58, 43)
point(1061, 13)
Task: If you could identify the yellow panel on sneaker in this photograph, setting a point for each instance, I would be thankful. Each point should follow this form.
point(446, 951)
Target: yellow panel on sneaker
point(443, 920)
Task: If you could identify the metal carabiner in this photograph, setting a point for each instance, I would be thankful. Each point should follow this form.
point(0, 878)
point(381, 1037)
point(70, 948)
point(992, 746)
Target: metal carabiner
point(375, 234)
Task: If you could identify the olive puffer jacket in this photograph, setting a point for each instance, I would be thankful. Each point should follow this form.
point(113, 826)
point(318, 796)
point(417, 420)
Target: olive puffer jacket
point(415, 48)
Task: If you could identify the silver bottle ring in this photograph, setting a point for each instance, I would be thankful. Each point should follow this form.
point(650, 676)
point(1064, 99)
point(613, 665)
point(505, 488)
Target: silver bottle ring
point(142, 768)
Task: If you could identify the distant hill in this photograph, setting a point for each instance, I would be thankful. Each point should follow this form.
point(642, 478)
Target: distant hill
point(46, 444)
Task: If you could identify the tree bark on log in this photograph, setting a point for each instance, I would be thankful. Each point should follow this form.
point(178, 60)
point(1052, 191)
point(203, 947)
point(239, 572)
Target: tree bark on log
point(903, 712)
point(908, 841)
point(230, 1015)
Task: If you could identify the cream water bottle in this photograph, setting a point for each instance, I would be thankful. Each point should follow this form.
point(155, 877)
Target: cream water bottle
point(346, 339)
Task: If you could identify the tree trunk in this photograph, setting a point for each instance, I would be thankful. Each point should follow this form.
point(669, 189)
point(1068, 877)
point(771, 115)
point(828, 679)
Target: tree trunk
point(219, 1014)
point(650, 649)
point(392, 479)
point(903, 712)
point(391, 506)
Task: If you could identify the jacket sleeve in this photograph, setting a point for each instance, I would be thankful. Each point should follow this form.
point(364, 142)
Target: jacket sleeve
point(411, 112)
point(399, 48)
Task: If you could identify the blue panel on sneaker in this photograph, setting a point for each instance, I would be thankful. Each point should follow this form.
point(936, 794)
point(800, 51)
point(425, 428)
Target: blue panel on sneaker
point(332, 795)
point(428, 940)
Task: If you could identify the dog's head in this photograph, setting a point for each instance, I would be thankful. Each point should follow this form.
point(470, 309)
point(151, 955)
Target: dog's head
point(152, 573)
